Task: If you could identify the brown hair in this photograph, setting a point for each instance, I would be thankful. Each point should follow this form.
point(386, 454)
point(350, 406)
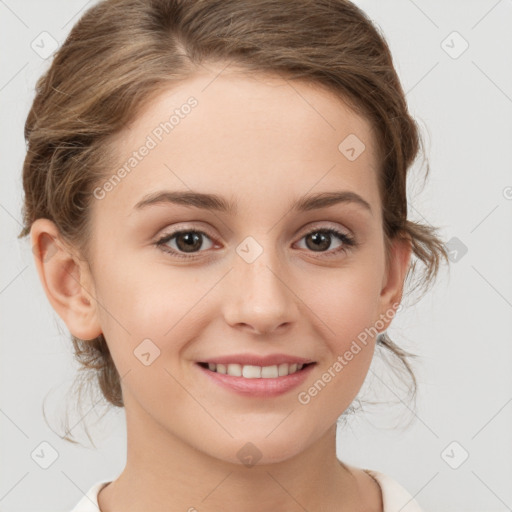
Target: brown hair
point(121, 53)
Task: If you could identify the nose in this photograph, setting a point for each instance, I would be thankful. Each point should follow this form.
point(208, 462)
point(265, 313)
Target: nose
point(260, 301)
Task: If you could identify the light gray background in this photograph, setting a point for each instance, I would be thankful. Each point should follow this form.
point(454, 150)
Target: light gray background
point(461, 329)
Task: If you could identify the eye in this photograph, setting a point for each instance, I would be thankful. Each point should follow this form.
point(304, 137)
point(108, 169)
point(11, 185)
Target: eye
point(185, 241)
point(319, 240)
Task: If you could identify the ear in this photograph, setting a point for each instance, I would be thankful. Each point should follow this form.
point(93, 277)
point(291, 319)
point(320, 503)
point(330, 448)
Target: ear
point(393, 281)
point(66, 280)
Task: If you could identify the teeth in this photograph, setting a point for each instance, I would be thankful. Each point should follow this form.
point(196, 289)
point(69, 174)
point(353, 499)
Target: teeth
point(235, 370)
point(269, 372)
point(283, 369)
point(251, 372)
point(256, 372)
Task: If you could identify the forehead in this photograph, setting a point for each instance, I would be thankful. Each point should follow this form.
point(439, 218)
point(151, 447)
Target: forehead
point(245, 135)
point(231, 100)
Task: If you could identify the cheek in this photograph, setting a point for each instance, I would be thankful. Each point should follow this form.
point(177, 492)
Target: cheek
point(347, 310)
point(147, 302)
point(346, 302)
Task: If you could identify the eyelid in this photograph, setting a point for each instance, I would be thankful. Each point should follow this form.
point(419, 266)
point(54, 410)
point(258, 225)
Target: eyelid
point(186, 227)
point(321, 225)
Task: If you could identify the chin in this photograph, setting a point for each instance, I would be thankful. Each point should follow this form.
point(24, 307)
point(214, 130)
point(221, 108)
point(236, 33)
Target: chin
point(257, 451)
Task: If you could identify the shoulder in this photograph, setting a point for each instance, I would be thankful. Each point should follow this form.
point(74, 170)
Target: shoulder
point(89, 502)
point(394, 497)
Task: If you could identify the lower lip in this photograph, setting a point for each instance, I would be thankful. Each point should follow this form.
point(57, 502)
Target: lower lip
point(259, 387)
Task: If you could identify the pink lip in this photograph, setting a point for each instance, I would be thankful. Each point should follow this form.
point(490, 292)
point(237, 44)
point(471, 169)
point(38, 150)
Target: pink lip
point(258, 387)
point(256, 360)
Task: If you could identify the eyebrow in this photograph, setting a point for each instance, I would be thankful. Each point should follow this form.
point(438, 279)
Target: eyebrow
point(218, 203)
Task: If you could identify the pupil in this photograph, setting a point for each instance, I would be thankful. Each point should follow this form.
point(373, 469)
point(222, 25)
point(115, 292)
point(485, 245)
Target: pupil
point(192, 241)
point(318, 237)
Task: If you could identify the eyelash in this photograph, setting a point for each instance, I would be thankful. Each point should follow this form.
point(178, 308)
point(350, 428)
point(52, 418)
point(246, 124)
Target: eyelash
point(348, 241)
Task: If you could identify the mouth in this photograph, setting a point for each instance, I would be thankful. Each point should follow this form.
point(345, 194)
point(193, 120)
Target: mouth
point(247, 371)
point(255, 381)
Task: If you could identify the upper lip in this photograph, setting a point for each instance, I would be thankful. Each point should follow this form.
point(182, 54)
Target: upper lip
point(257, 360)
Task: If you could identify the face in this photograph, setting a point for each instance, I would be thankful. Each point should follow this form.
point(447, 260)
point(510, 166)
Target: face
point(179, 283)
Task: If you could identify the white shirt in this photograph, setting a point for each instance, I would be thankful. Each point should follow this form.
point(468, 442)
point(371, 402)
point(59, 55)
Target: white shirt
point(394, 497)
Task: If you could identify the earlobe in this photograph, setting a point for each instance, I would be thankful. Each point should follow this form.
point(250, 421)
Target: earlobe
point(66, 280)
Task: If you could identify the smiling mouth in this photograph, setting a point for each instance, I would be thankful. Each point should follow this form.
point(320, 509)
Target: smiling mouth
point(255, 372)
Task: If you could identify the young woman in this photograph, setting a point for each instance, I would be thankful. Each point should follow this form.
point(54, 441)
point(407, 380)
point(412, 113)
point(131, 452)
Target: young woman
point(216, 194)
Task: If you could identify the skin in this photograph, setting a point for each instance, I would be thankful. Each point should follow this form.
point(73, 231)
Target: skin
point(263, 143)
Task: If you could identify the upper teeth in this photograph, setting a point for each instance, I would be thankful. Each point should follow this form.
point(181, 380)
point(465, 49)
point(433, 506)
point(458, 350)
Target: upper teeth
point(255, 372)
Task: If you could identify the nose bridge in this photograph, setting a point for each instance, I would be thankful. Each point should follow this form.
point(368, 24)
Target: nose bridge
point(260, 297)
